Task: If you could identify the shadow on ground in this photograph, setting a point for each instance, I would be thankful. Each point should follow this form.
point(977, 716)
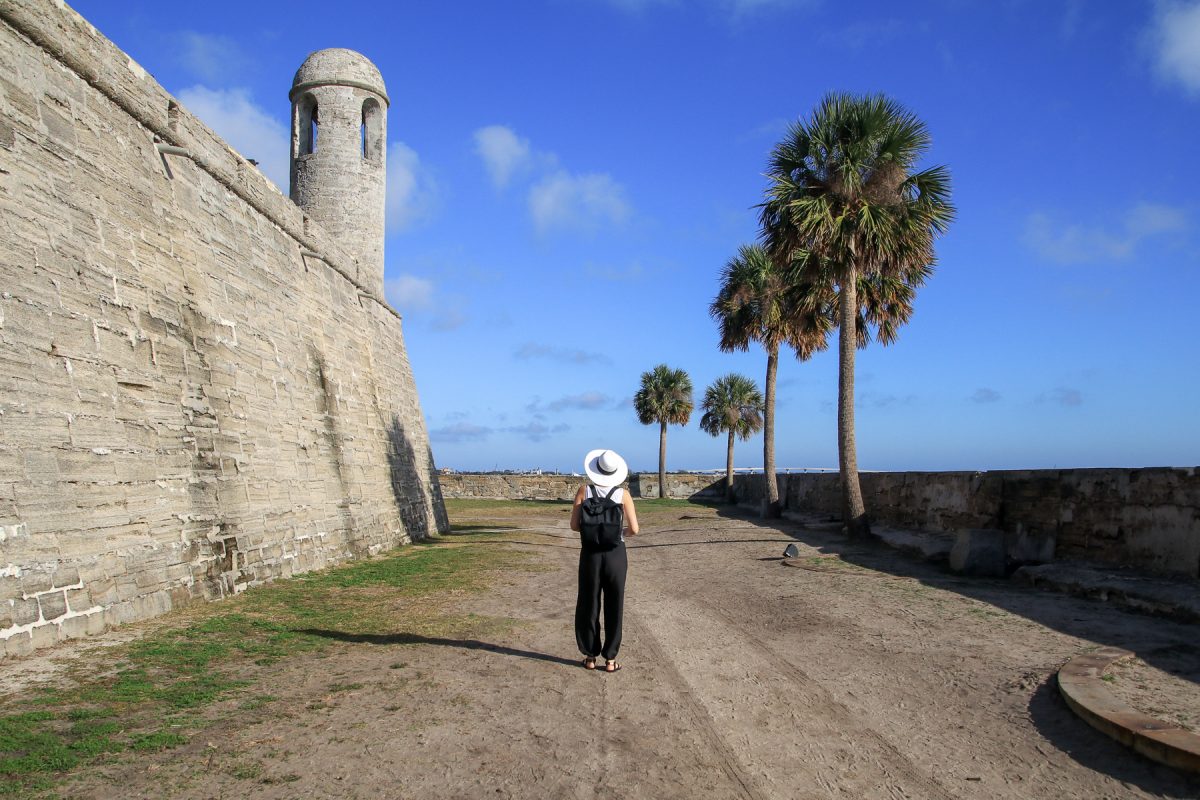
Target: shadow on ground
point(1054, 720)
point(414, 638)
point(1154, 639)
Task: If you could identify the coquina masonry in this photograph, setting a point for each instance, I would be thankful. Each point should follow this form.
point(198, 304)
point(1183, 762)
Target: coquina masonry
point(201, 386)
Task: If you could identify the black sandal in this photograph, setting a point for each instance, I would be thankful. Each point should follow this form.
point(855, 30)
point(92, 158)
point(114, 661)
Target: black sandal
point(611, 666)
point(589, 662)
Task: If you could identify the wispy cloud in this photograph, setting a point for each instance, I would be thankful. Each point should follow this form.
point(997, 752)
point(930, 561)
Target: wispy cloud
point(1063, 396)
point(577, 201)
point(562, 354)
point(460, 432)
point(984, 395)
point(558, 198)
point(449, 317)
point(880, 400)
point(1174, 38)
point(419, 296)
point(408, 292)
point(587, 401)
point(1074, 244)
point(211, 58)
point(861, 34)
point(412, 191)
point(245, 126)
point(733, 9)
point(537, 431)
point(503, 152)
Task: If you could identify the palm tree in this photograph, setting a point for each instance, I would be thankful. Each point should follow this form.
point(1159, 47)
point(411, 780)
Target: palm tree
point(734, 404)
point(665, 398)
point(757, 301)
point(845, 193)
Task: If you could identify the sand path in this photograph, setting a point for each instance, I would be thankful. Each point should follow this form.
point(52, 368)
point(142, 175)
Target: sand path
point(864, 676)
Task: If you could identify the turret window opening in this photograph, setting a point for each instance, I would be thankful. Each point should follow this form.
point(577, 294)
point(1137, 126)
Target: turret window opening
point(308, 126)
point(372, 130)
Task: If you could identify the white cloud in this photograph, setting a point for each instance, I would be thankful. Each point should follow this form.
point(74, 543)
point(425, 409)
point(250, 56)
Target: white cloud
point(245, 126)
point(412, 191)
point(1074, 244)
point(537, 431)
point(563, 354)
point(460, 432)
point(502, 151)
point(448, 318)
point(1175, 38)
point(211, 58)
point(409, 292)
point(586, 401)
point(735, 9)
point(564, 200)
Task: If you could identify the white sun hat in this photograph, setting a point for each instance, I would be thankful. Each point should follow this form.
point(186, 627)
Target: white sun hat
point(605, 468)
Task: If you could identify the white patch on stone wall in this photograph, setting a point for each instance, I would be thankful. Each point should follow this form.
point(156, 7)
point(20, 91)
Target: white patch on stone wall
point(136, 69)
point(10, 571)
point(18, 531)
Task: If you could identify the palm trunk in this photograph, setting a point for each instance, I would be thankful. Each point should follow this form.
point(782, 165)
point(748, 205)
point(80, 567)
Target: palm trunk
point(662, 459)
point(729, 498)
point(771, 509)
point(854, 514)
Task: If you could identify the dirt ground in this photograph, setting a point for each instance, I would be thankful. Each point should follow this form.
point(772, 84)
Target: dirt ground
point(856, 674)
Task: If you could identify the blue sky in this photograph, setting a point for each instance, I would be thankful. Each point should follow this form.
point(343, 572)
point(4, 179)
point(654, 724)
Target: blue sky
point(567, 177)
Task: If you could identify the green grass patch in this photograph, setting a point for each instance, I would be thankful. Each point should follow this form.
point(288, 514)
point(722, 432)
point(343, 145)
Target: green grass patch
point(655, 503)
point(151, 694)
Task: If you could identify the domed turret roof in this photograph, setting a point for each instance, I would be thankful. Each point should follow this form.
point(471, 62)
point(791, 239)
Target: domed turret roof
point(337, 65)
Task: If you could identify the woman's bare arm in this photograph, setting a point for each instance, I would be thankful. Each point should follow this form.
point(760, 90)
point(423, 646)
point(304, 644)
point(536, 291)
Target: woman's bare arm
point(575, 512)
point(630, 513)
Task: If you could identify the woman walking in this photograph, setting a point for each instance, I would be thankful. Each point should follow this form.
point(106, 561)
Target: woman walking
point(602, 560)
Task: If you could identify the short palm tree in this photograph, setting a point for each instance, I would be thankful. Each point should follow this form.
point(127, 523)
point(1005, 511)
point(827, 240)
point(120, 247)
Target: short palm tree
point(665, 397)
point(845, 193)
point(758, 301)
point(732, 404)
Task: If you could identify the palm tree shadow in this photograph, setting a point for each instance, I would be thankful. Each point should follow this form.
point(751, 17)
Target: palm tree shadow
point(1087, 746)
point(416, 638)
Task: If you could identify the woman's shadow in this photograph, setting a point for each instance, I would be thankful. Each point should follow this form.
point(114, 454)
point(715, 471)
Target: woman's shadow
point(415, 638)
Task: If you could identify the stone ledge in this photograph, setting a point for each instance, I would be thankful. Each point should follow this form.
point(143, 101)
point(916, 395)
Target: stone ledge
point(1081, 686)
point(1164, 597)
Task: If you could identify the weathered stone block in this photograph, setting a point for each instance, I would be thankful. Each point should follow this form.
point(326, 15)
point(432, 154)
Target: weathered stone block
point(79, 599)
point(18, 645)
point(979, 551)
point(25, 612)
point(44, 635)
point(34, 582)
point(65, 576)
point(53, 605)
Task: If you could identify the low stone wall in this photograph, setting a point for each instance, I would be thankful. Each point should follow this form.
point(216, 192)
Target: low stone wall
point(563, 487)
point(1143, 518)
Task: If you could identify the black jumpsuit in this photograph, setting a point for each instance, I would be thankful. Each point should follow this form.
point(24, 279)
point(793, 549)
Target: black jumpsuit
point(601, 585)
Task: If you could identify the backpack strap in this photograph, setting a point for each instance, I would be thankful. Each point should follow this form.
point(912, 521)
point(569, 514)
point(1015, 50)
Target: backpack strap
point(610, 492)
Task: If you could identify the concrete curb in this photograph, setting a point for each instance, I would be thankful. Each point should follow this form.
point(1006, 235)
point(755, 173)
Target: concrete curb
point(1081, 686)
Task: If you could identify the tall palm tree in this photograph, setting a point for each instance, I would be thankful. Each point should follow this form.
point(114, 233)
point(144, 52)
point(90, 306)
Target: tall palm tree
point(666, 398)
point(845, 192)
point(758, 301)
point(733, 404)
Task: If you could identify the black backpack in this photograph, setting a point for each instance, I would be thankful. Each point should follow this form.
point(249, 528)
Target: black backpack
point(600, 520)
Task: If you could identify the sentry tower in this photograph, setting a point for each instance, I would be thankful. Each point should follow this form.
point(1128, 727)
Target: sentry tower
point(339, 153)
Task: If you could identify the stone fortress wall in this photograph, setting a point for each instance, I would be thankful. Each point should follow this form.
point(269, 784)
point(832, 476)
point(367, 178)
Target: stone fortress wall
point(1148, 519)
point(200, 390)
